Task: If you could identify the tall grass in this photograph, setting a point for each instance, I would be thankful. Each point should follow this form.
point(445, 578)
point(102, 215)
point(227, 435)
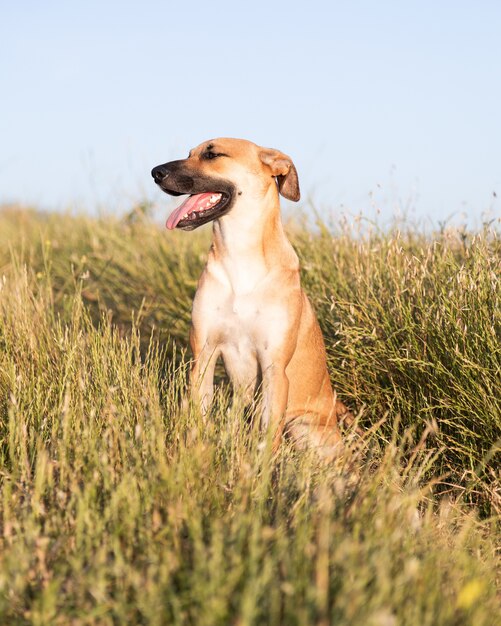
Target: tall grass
point(118, 506)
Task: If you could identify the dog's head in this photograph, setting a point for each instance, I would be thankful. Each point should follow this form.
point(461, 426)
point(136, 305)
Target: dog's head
point(220, 171)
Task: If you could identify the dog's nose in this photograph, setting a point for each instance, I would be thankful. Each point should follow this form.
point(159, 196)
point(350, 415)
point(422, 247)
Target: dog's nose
point(159, 173)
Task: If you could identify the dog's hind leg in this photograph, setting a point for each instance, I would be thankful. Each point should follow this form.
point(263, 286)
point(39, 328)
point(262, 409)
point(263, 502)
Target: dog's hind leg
point(315, 432)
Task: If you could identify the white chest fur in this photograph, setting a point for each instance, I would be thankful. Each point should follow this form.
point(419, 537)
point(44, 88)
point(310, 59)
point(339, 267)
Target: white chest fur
point(234, 306)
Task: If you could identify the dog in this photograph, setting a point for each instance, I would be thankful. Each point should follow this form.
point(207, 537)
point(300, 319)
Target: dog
point(249, 306)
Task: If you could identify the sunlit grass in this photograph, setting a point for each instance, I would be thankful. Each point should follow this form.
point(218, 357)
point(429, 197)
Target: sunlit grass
point(118, 506)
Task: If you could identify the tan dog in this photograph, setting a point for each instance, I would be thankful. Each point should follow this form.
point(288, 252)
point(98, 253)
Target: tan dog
point(249, 307)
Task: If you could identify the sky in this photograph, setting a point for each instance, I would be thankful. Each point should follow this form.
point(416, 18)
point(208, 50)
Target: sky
point(386, 107)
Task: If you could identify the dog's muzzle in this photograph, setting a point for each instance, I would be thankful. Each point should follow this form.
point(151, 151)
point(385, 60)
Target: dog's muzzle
point(209, 198)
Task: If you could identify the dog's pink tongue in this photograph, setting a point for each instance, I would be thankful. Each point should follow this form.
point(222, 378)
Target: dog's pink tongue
point(193, 203)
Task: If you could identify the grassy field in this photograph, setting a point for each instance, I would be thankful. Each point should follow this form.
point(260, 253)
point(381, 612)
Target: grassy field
point(117, 506)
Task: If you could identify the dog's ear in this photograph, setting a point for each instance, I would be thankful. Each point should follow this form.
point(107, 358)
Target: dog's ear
point(283, 169)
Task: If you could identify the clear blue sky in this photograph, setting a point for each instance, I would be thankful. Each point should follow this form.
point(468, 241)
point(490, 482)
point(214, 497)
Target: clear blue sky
point(388, 103)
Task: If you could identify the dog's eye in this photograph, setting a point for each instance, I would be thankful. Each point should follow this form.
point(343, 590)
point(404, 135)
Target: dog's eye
point(210, 155)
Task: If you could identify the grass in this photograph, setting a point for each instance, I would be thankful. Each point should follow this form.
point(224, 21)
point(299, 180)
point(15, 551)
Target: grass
point(118, 506)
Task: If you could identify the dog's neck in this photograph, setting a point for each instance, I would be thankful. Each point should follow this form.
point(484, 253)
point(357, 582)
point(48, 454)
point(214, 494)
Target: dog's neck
point(253, 227)
point(250, 241)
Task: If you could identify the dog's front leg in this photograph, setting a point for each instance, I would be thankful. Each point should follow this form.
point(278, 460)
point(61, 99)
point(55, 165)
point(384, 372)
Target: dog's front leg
point(275, 396)
point(202, 372)
point(276, 345)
